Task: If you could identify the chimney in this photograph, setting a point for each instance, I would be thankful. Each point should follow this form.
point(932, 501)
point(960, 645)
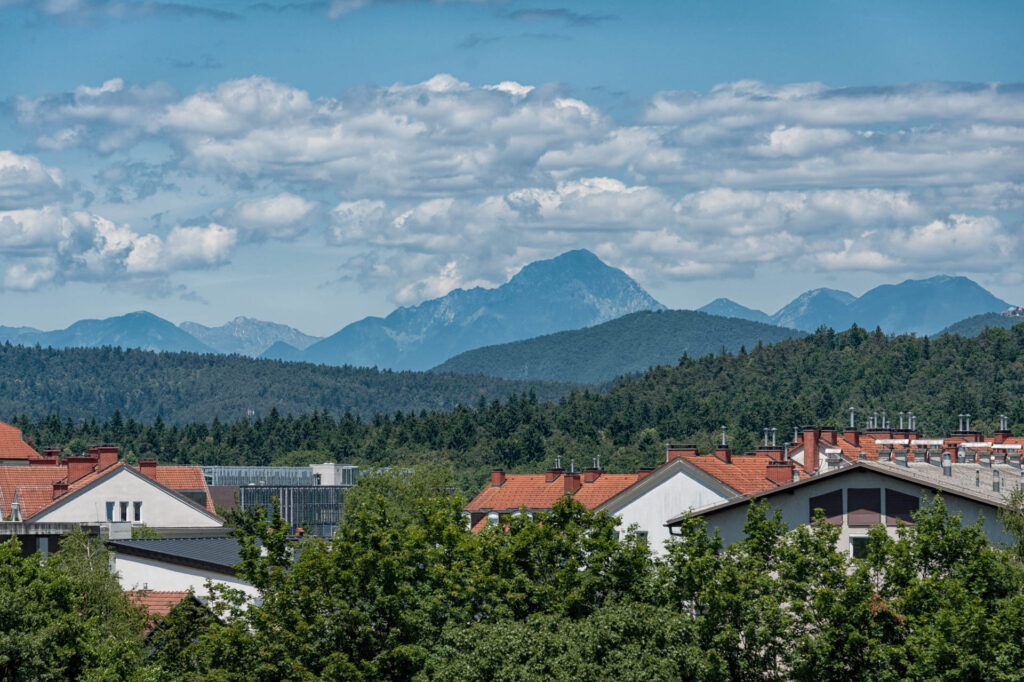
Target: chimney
point(852, 435)
point(147, 467)
point(829, 434)
point(773, 453)
point(59, 488)
point(674, 451)
point(107, 455)
point(644, 473)
point(811, 434)
point(80, 466)
point(51, 453)
point(591, 475)
point(723, 453)
point(572, 483)
point(780, 473)
point(497, 478)
point(43, 462)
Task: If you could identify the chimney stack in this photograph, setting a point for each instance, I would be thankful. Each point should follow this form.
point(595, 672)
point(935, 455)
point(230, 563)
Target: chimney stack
point(572, 483)
point(107, 455)
point(43, 462)
point(644, 473)
point(59, 488)
point(780, 473)
point(811, 448)
point(591, 475)
point(80, 466)
point(52, 453)
point(497, 478)
point(674, 451)
point(147, 467)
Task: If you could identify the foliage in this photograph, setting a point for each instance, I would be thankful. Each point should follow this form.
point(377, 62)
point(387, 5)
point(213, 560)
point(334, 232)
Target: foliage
point(66, 617)
point(81, 383)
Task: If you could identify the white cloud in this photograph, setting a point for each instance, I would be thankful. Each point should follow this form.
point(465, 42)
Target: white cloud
point(283, 216)
point(25, 181)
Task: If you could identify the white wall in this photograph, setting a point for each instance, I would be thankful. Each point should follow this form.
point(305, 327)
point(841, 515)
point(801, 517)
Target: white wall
point(795, 507)
point(672, 497)
point(160, 508)
point(136, 573)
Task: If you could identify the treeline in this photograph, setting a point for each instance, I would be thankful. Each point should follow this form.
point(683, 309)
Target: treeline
point(193, 387)
point(404, 591)
point(812, 380)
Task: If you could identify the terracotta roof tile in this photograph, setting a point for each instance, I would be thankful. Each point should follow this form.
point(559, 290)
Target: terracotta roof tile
point(520, 490)
point(746, 474)
point(184, 478)
point(12, 478)
point(13, 446)
point(156, 602)
point(607, 486)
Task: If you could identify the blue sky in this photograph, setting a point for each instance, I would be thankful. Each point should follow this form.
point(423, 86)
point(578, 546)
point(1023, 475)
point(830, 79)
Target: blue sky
point(315, 162)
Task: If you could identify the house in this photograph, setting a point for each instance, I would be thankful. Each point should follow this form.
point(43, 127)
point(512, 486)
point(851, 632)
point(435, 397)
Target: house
point(686, 480)
point(178, 564)
point(48, 497)
point(863, 494)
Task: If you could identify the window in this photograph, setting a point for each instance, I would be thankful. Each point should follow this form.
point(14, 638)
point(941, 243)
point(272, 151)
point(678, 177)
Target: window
point(898, 507)
point(110, 511)
point(832, 504)
point(138, 510)
point(124, 511)
point(863, 506)
point(859, 547)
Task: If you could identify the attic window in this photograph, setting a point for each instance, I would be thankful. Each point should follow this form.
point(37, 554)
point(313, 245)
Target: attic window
point(864, 506)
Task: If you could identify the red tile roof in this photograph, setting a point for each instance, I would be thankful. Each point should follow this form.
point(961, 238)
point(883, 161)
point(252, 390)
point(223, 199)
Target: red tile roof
point(607, 486)
point(746, 474)
point(533, 491)
point(13, 446)
point(156, 602)
point(184, 478)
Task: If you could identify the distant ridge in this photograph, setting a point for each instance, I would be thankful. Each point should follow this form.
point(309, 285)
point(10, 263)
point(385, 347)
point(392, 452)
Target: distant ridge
point(142, 330)
point(919, 306)
point(976, 324)
point(246, 336)
point(627, 345)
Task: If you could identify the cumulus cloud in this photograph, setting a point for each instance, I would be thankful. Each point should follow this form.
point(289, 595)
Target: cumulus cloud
point(25, 181)
point(283, 216)
point(50, 245)
point(442, 183)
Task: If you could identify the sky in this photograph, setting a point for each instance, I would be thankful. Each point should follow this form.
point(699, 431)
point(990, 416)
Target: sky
point(311, 163)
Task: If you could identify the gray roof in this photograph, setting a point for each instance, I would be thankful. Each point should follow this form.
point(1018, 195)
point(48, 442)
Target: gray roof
point(218, 554)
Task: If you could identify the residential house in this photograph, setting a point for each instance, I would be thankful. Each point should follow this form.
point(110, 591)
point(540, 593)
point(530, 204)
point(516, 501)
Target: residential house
point(178, 564)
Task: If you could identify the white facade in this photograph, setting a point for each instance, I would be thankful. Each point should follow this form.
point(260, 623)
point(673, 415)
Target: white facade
point(124, 488)
point(674, 489)
point(139, 573)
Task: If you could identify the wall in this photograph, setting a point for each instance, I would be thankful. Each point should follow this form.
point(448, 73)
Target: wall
point(135, 572)
point(672, 497)
point(160, 508)
point(795, 507)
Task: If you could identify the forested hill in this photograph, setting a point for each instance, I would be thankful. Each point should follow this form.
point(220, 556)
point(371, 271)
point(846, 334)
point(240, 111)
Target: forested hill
point(973, 326)
point(189, 387)
point(628, 345)
point(795, 382)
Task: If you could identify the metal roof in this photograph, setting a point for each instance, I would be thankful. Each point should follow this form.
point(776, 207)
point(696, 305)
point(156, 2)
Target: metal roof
point(218, 554)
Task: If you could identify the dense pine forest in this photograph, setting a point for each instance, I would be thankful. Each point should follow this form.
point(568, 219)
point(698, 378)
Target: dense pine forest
point(193, 387)
point(800, 381)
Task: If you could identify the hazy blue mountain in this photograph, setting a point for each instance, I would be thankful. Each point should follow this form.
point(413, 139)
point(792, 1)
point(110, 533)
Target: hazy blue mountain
point(627, 345)
point(571, 291)
point(135, 330)
point(723, 307)
point(976, 324)
point(923, 306)
point(282, 350)
point(246, 336)
point(811, 309)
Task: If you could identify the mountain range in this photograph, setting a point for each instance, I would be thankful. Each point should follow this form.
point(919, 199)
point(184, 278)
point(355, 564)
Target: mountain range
point(923, 306)
point(573, 290)
point(628, 345)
